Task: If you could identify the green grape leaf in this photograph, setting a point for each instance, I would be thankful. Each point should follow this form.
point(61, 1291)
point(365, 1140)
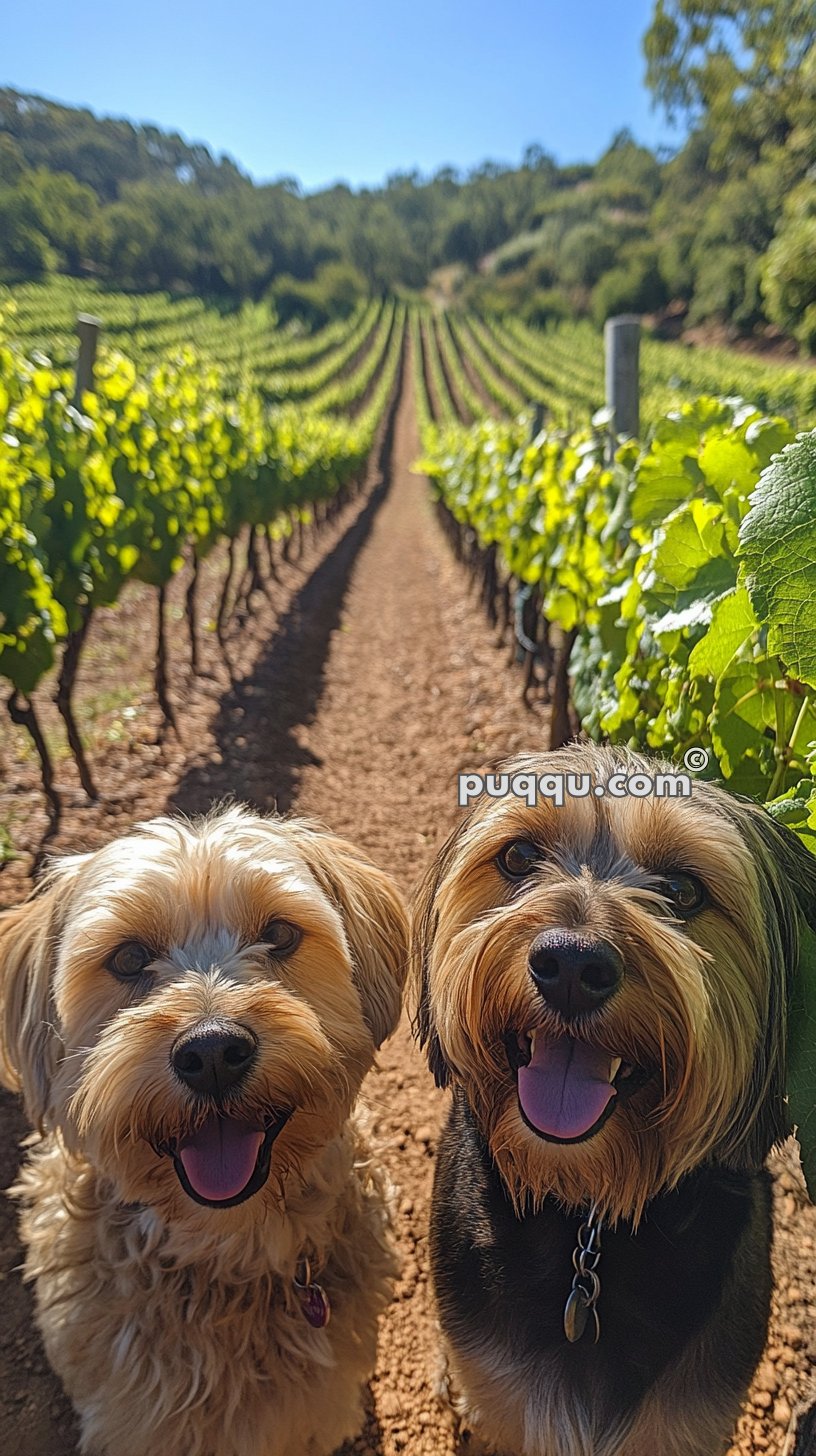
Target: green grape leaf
point(697, 614)
point(691, 551)
point(778, 550)
point(767, 437)
point(656, 494)
point(743, 706)
point(727, 463)
point(732, 622)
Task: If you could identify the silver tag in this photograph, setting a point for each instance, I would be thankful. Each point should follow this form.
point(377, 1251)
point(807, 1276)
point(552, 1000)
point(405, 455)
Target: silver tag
point(578, 1313)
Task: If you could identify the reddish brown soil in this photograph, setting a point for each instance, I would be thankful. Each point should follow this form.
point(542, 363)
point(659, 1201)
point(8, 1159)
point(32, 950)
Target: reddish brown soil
point(771, 346)
point(358, 692)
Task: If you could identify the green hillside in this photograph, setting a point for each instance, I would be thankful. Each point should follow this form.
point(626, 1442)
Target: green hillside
point(724, 232)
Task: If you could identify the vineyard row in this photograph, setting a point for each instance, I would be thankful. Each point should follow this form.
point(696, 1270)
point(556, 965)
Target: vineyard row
point(154, 468)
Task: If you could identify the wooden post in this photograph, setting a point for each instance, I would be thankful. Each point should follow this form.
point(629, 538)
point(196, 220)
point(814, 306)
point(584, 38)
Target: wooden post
point(622, 350)
point(538, 419)
point(88, 329)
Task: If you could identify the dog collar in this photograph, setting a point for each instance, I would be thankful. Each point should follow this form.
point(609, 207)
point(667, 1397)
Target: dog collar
point(581, 1308)
point(314, 1301)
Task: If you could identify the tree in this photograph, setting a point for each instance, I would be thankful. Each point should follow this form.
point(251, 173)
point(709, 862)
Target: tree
point(744, 73)
point(789, 269)
point(535, 159)
point(587, 252)
point(625, 161)
point(331, 294)
point(68, 213)
point(634, 286)
point(12, 163)
point(745, 69)
point(24, 248)
point(703, 54)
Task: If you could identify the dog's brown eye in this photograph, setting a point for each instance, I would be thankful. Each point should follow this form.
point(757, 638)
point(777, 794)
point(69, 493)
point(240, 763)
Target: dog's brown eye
point(280, 936)
point(518, 858)
point(686, 893)
point(129, 960)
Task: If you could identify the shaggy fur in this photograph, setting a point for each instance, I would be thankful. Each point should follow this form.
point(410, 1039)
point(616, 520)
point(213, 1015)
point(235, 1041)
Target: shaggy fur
point(176, 1326)
point(699, 1020)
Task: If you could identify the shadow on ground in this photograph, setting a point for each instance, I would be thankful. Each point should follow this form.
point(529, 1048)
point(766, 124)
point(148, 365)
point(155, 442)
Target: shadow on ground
point(257, 756)
point(36, 1418)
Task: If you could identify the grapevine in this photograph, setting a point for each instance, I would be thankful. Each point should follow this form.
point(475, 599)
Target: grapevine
point(153, 467)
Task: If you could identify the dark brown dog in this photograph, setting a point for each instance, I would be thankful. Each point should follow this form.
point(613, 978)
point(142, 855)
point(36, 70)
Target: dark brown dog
point(605, 985)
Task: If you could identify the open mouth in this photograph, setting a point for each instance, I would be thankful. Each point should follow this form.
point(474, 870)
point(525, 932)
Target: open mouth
point(567, 1089)
point(226, 1160)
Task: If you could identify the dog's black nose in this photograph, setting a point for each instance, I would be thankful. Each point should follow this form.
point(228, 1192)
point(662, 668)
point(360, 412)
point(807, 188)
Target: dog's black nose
point(572, 972)
point(213, 1055)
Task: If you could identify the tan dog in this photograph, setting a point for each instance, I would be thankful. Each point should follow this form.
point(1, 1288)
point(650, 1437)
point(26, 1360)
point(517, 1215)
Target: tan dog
point(606, 985)
point(190, 1013)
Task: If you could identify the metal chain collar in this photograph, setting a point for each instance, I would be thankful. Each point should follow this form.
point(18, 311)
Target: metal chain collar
point(581, 1308)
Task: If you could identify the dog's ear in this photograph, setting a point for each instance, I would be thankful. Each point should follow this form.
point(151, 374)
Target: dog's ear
point(787, 874)
point(29, 1044)
point(376, 925)
point(423, 931)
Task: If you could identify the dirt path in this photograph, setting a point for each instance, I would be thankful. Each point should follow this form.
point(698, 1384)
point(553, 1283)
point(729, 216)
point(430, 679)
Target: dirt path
point(380, 681)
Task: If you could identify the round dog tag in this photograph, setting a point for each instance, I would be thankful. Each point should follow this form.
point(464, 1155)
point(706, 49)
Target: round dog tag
point(314, 1302)
point(579, 1312)
point(576, 1314)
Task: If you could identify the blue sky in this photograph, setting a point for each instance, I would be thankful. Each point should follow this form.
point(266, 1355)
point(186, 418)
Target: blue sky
point(351, 89)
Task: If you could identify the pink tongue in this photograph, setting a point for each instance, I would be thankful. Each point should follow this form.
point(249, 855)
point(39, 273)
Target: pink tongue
point(566, 1086)
point(220, 1159)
